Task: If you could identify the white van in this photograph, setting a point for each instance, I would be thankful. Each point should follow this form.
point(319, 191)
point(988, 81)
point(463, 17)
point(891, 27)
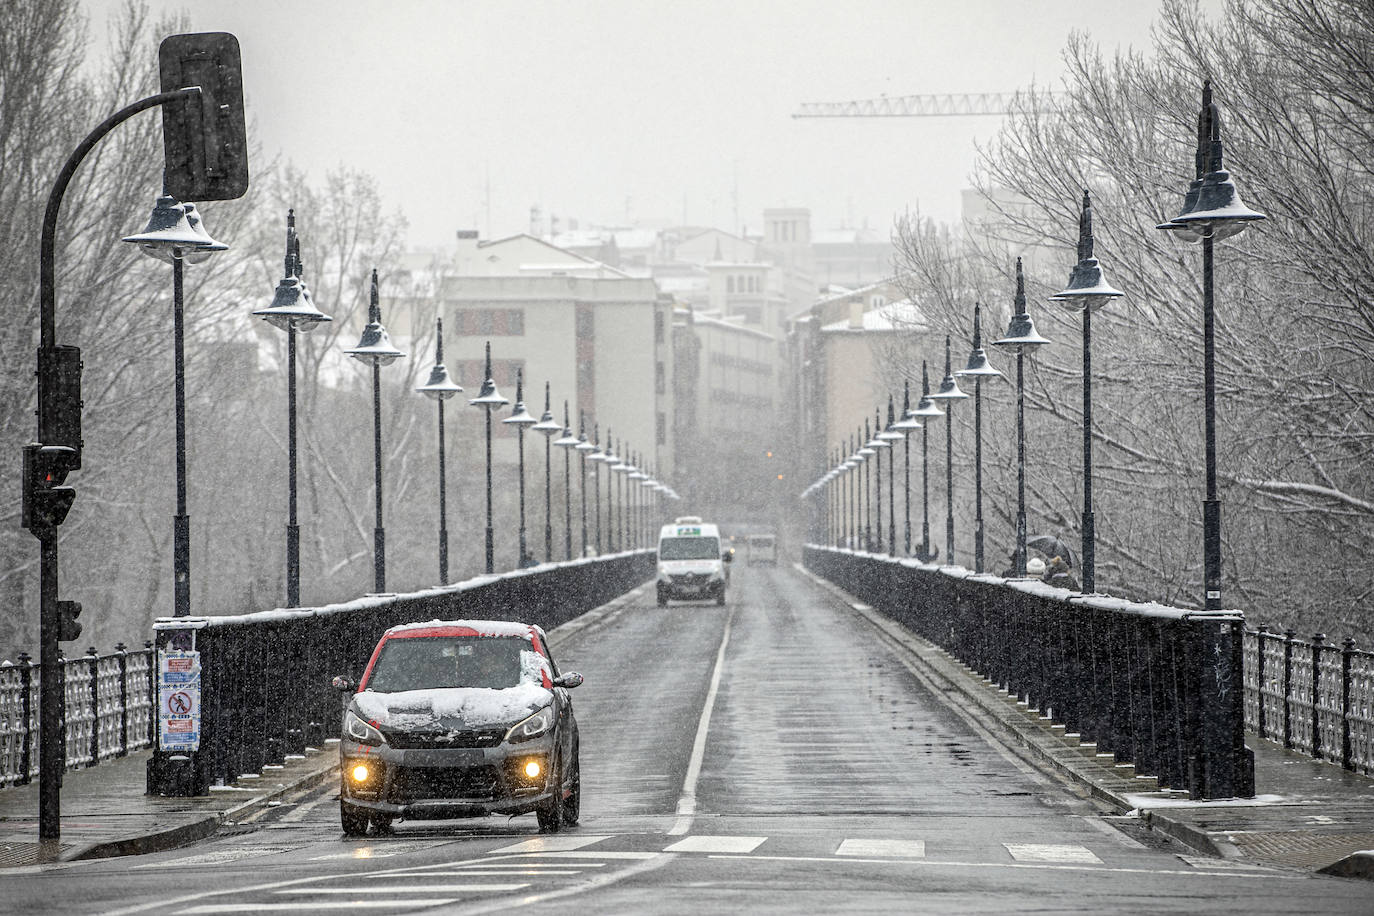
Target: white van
point(761, 549)
point(691, 563)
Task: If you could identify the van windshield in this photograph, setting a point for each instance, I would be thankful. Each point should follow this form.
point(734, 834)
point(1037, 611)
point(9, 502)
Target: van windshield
point(689, 549)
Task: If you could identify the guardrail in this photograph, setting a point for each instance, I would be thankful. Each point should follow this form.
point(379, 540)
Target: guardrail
point(109, 710)
point(265, 677)
point(1155, 686)
point(1311, 696)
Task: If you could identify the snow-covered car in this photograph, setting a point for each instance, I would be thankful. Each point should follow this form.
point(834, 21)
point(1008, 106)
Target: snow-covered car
point(459, 718)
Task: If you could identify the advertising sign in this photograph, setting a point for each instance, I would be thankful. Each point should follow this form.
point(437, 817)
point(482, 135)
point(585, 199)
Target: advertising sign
point(178, 700)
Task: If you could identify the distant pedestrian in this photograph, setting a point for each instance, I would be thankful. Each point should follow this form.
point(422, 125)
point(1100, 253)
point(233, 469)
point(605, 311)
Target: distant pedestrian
point(1058, 575)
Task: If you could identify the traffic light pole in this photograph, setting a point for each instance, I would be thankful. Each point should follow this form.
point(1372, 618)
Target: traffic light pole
point(52, 748)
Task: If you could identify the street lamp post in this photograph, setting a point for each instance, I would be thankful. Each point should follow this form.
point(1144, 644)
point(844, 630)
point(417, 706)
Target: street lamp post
point(1022, 339)
point(520, 418)
point(440, 388)
point(926, 410)
point(169, 236)
point(905, 425)
point(568, 443)
point(949, 392)
point(978, 369)
point(1212, 210)
point(866, 451)
point(597, 456)
point(548, 428)
point(891, 434)
point(880, 444)
point(584, 448)
point(375, 347)
point(1088, 290)
point(292, 309)
point(489, 399)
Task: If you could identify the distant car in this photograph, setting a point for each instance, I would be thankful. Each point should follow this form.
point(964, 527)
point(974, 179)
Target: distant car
point(761, 549)
point(459, 719)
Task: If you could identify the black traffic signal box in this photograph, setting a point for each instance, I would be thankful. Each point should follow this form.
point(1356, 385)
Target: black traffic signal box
point(45, 501)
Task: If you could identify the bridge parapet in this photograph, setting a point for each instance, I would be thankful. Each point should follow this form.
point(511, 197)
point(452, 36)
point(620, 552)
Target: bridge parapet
point(265, 676)
point(1155, 686)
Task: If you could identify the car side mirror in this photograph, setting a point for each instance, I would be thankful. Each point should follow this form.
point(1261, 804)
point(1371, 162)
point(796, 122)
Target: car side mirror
point(344, 683)
point(570, 680)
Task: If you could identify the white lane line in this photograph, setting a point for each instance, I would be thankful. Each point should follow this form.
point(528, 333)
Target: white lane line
point(703, 843)
point(549, 844)
point(405, 889)
point(687, 802)
point(301, 811)
point(897, 849)
point(515, 871)
point(590, 854)
point(220, 856)
point(531, 865)
point(1095, 869)
point(238, 908)
point(374, 852)
point(1048, 852)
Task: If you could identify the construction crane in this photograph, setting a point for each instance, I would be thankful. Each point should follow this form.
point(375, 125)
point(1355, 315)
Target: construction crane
point(924, 106)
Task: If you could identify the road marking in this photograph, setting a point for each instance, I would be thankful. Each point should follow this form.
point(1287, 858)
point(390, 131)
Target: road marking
point(702, 843)
point(549, 844)
point(1047, 852)
point(404, 889)
point(687, 802)
point(530, 865)
point(1034, 866)
point(219, 856)
point(897, 849)
point(521, 870)
point(385, 851)
point(412, 903)
point(591, 854)
point(301, 811)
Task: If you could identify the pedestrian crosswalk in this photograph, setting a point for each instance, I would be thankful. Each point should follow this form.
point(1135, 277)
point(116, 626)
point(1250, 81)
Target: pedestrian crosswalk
point(548, 865)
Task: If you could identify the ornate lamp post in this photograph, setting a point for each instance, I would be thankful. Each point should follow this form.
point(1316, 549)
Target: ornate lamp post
point(889, 435)
point(568, 443)
point(949, 392)
point(440, 388)
point(598, 458)
point(1088, 290)
point(866, 452)
point(926, 411)
point(520, 418)
point(905, 426)
point(584, 449)
point(375, 347)
point(978, 369)
point(1021, 338)
point(169, 236)
point(548, 427)
point(292, 309)
point(489, 399)
point(879, 444)
point(1212, 209)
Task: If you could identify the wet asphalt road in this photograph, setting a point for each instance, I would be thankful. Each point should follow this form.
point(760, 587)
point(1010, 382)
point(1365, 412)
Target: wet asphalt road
point(774, 755)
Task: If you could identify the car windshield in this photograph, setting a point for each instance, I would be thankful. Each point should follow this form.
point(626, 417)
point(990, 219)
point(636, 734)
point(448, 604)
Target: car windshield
point(422, 662)
point(689, 549)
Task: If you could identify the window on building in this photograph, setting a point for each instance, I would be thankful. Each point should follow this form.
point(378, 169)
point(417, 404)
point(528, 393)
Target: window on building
point(658, 327)
point(661, 429)
point(660, 379)
point(730, 284)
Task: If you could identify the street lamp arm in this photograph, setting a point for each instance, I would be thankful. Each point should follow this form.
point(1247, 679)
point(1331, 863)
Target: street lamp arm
point(47, 291)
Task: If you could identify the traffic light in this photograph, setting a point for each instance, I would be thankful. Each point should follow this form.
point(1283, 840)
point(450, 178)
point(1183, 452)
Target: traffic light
point(59, 400)
point(45, 501)
point(68, 627)
point(204, 137)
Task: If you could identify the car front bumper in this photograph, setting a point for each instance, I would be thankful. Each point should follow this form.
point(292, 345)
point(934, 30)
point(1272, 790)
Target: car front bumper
point(425, 783)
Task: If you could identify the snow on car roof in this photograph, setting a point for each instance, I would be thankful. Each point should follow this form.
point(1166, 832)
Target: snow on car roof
point(462, 628)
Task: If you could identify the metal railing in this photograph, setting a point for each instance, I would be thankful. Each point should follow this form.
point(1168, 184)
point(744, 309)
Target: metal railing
point(1155, 686)
point(109, 710)
point(1312, 696)
point(265, 677)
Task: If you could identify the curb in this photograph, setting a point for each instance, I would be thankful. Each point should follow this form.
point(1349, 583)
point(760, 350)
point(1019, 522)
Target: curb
point(1355, 865)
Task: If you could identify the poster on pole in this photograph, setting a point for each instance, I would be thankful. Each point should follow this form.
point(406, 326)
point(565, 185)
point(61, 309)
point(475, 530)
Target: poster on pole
point(178, 695)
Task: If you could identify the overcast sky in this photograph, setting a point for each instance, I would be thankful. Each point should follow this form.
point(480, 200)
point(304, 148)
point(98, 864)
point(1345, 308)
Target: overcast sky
point(610, 111)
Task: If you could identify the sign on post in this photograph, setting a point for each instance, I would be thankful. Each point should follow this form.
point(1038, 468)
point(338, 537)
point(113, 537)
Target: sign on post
point(204, 136)
point(178, 700)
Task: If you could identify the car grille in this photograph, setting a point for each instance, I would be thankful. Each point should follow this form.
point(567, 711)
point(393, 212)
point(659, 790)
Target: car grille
point(692, 579)
point(418, 783)
point(490, 737)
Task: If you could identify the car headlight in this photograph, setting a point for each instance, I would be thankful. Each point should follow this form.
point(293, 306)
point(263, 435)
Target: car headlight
point(355, 727)
point(532, 726)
